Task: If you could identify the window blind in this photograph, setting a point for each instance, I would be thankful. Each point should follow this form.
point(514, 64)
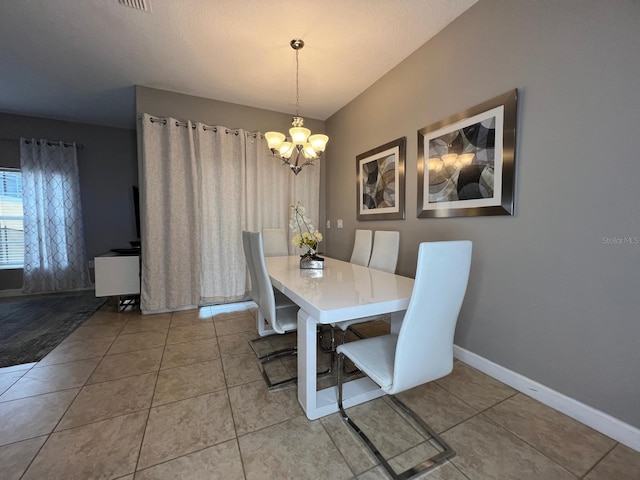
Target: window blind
point(11, 219)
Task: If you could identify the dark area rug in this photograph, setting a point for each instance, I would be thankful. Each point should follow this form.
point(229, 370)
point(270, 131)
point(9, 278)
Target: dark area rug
point(32, 326)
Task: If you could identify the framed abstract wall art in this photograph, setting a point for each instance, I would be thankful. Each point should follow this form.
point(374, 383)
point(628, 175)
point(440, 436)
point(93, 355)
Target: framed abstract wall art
point(466, 163)
point(380, 182)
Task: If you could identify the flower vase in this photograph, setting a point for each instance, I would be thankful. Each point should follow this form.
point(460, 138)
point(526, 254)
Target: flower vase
point(311, 262)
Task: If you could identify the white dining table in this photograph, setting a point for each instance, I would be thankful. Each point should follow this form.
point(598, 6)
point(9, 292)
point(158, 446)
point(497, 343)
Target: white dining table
point(340, 291)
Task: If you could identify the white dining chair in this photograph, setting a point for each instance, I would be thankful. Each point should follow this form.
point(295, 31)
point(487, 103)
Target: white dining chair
point(422, 350)
point(246, 247)
point(362, 248)
point(359, 256)
point(384, 257)
point(386, 246)
point(275, 242)
point(282, 320)
point(281, 300)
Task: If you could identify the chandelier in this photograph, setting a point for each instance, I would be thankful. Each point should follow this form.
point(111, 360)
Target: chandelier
point(301, 148)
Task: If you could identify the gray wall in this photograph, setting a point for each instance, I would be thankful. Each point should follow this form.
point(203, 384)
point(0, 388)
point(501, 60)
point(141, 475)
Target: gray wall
point(164, 103)
point(108, 170)
point(548, 297)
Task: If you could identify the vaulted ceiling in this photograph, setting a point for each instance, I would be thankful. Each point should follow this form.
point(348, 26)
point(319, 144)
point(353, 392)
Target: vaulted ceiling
point(79, 60)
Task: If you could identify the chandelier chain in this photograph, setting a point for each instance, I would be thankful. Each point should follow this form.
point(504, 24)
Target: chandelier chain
point(297, 85)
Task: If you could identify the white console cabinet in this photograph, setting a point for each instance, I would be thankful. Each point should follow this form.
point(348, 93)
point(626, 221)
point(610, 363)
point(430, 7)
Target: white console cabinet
point(117, 275)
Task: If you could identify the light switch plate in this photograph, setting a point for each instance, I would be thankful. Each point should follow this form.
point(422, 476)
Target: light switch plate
point(339, 223)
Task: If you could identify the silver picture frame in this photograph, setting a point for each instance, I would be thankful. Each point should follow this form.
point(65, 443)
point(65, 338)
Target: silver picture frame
point(380, 182)
point(466, 162)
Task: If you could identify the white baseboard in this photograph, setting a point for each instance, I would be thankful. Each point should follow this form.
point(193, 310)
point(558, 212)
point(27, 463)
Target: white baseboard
point(600, 421)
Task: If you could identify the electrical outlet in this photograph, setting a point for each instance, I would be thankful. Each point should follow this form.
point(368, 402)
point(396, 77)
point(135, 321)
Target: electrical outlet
point(328, 223)
point(339, 223)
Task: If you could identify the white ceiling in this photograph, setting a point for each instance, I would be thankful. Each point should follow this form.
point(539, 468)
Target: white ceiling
point(78, 60)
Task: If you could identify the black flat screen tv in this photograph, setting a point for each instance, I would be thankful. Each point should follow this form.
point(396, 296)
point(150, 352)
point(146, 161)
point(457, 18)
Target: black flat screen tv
point(136, 207)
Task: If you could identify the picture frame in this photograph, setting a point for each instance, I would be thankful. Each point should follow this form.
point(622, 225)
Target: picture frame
point(466, 162)
point(380, 182)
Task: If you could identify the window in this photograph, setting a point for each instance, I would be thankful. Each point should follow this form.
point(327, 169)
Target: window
point(11, 219)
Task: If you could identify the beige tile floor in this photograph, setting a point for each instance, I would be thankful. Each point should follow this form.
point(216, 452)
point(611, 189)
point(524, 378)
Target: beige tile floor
point(180, 396)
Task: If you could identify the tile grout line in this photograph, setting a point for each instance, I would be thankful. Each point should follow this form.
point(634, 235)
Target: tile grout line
point(515, 434)
point(600, 460)
point(355, 475)
point(502, 427)
point(226, 388)
point(53, 430)
point(146, 423)
point(80, 388)
point(11, 386)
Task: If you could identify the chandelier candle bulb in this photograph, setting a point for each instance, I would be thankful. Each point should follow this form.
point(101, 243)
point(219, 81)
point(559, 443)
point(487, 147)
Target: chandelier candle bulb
point(318, 142)
point(299, 135)
point(309, 152)
point(286, 149)
point(274, 140)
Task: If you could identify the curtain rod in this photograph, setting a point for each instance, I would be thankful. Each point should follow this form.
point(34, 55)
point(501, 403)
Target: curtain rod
point(79, 146)
point(235, 131)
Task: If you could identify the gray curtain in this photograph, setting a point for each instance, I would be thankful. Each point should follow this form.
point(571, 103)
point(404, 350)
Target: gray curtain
point(55, 257)
point(200, 187)
point(169, 223)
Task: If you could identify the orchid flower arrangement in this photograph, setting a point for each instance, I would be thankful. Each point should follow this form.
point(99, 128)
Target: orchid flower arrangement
point(305, 235)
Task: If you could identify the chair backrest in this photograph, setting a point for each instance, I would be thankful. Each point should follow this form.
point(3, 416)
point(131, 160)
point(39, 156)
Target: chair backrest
point(362, 248)
point(275, 242)
point(424, 351)
point(266, 302)
point(246, 246)
point(385, 251)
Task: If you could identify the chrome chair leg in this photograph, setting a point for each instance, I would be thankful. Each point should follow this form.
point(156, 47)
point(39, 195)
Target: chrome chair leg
point(252, 344)
point(446, 453)
point(289, 351)
point(344, 367)
point(331, 349)
point(270, 358)
point(321, 328)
